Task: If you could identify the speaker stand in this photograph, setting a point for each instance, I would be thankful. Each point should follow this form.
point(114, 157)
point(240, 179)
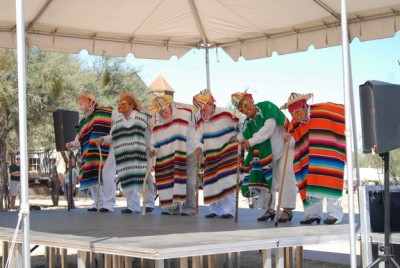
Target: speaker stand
point(386, 256)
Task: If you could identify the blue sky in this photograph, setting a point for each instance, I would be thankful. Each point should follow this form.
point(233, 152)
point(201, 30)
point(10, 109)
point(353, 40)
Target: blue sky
point(317, 71)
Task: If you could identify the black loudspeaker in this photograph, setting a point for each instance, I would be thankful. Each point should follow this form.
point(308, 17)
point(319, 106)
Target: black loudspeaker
point(376, 211)
point(64, 127)
point(380, 120)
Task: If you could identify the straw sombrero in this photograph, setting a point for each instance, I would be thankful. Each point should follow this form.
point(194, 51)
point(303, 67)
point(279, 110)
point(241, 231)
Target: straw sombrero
point(160, 103)
point(295, 97)
point(88, 96)
point(125, 93)
point(200, 100)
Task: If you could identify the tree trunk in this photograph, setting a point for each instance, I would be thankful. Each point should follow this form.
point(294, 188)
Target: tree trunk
point(3, 174)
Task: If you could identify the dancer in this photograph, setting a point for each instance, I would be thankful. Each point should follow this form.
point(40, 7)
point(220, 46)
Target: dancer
point(130, 139)
point(263, 137)
point(320, 154)
point(216, 138)
point(173, 146)
point(96, 123)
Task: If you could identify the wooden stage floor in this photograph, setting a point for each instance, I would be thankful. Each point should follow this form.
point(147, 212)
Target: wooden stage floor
point(159, 237)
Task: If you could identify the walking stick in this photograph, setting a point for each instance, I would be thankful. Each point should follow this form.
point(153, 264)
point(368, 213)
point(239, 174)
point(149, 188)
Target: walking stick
point(238, 181)
point(149, 169)
point(282, 181)
point(99, 176)
point(198, 172)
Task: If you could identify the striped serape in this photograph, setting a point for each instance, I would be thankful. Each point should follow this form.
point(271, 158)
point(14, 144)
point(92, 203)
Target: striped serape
point(97, 124)
point(320, 153)
point(220, 155)
point(129, 143)
point(169, 141)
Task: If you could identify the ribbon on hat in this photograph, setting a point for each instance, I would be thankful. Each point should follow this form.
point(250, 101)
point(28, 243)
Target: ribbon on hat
point(200, 100)
point(159, 103)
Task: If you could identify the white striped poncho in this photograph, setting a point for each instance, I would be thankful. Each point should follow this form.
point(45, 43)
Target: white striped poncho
point(169, 141)
point(220, 162)
point(129, 143)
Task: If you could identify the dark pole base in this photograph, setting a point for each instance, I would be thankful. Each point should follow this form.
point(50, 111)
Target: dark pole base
point(386, 257)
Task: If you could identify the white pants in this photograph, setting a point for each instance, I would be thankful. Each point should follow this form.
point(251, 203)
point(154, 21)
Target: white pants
point(333, 208)
point(289, 188)
point(150, 195)
point(226, 205)
point(133, 199)
point(93, 191)
point(109, 185)
point(190, 205)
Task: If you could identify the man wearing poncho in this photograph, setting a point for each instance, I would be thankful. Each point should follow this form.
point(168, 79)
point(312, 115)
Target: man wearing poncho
point(320, 154)
point(95, 124)
point(130, 138)
point(216, 138)
point(173, 146)
point(263, 134)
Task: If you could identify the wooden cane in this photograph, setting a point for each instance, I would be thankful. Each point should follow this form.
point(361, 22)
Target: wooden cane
point(149, 169)
point(239, 154)
point(99, 176)
point(282, 182)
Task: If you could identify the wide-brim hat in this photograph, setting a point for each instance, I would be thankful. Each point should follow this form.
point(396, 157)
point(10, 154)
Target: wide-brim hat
point(237, 98)
point(160, 103)
point(200, 100)
point(88, 96)
point(295, 97)
point(127, 94)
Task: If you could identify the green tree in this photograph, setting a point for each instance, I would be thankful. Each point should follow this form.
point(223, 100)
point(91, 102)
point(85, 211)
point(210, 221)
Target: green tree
point(53, 81)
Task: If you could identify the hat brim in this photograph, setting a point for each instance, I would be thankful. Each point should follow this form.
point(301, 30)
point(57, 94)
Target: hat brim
point(302, 97)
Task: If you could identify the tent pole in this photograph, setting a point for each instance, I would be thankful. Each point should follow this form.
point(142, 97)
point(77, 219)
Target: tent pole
point(24, 202)
point(208, 68)
point(349, 110)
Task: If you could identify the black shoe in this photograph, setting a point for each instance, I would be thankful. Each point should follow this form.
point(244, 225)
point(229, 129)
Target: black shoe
point(267, 215)
point(331, 221)
point(148, 209)
point(310, 221)
point(104, 210)
point(289, 216)
point(92, 209)
point(125, 211)
point(211, 215)
point(226, 216)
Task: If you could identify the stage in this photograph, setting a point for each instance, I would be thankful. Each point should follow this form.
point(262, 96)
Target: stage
point(160, 238)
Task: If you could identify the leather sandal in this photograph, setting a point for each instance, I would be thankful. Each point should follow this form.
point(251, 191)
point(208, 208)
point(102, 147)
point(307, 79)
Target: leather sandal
point(288, 218)
point(267, 215)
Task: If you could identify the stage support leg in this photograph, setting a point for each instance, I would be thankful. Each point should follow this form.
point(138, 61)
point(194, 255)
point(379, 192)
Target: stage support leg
point(183, 262)
point(116, 261)
point(107, 260)
point(64, 258)
point(16, 261)
point(289, 257)
point(4, 252)
point(83, 259)
point(279, 258)
point(159, 264)
point(233, 260)
point(267, 258)
point(196, 262)
point(92, 259)
point(128, 262)
point(299, 259)
point(50, 257)
point(203, 260)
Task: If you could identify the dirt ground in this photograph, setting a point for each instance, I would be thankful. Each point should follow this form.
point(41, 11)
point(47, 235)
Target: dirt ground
point(247, 259)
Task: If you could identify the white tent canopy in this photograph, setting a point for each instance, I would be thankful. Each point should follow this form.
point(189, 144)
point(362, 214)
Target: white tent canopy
point(159, 29)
